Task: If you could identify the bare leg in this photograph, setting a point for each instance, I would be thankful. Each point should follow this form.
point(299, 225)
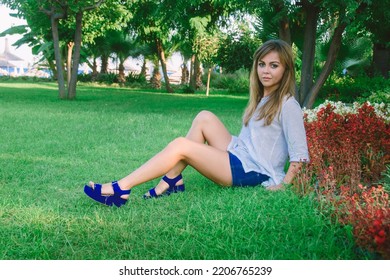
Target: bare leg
point(206, 127)
point(211, 160)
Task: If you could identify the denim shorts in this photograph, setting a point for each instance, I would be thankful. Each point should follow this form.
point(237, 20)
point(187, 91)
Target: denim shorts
point(242, 179)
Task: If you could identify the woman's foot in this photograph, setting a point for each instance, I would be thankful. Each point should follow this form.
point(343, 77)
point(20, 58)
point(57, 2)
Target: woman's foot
point(166, 186)
point(108, 189)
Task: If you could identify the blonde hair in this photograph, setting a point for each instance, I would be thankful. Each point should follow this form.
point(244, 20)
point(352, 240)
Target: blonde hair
point(286, 87)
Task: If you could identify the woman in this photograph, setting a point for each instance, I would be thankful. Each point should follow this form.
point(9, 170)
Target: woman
point(272, 132)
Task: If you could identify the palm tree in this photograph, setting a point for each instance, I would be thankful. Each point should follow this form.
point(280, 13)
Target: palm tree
point(124, 46)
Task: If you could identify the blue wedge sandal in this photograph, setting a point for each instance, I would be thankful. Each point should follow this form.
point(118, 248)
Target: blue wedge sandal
point(109, 200)
point(171, 189)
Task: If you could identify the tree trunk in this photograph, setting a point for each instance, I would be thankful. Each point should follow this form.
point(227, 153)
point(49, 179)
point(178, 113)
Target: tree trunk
point(121, 74)
point(381, 59)
point(76, 56)
point(55, 16)
point(69, 62)
point(208, 81)
point(198, 73)
point(94, 69)
point(53, 69)
point(195, 74)
point(192, 74)
point(92, 65)
point(155, 80)
point(161, 56)
point(104, 65)
point(284, 30)
point(309, 46)
point(184, 74)
point(143, 69)
point(284, 23)
point(328, 67)
point(57, 54)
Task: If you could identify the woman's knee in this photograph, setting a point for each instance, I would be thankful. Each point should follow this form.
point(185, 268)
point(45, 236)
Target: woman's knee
point(178, 145)
point(204, 117)
point(181, 148)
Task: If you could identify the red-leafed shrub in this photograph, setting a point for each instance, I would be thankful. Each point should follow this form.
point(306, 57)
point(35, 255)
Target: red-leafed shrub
point(355, 145)
point(348, 150)
point(368, 211)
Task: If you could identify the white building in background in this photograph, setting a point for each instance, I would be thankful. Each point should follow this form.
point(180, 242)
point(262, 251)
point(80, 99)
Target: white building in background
point(134, 65)
point(14, 66)
point(11, 64)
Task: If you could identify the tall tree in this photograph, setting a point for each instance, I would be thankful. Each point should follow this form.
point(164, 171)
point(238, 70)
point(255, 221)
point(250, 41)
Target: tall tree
point(339, 15)
point(196, 20)
point(60, 10)
point(56, 11)
point(63, 15)
point(311, 11)
point(153, 24)
point(376, 18)
point(207, 50)
point(111, 17)
point(238, 45)
point(123, 45)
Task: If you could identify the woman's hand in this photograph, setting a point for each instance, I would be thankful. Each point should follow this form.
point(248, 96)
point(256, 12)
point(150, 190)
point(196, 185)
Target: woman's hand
point(278, 187)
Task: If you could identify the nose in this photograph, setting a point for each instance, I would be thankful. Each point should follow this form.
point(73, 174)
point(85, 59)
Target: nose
point(266, 69)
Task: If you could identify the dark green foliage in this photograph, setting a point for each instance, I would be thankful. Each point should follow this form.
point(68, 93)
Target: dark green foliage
point(236, 51)
point(236, 82)
point(135, 79)
point(351, 89)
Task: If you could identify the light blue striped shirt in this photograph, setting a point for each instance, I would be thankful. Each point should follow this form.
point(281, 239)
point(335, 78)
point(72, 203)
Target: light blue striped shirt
point(266, 149)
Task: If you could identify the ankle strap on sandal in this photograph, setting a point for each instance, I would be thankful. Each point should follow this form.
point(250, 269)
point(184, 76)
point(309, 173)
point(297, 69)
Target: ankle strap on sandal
point(173, 181)
point(118, 190)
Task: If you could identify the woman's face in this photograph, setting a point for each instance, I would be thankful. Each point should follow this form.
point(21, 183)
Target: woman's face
point(270, 72)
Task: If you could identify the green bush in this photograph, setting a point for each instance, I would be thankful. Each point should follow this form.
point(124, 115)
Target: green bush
point(186, 89)
point(381, 96)
point(24, 79)
point(351, 89)
point(135, 79)
point(385, 181)
point(237, 82)
point(85, 78)
point(107, 78)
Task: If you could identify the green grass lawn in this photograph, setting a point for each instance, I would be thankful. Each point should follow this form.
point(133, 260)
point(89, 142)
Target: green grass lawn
point(50, 148)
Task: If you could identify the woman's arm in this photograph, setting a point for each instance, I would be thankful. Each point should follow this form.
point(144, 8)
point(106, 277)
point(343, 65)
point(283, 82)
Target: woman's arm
point(291, 172)
point(293, 169)
point(294, 131)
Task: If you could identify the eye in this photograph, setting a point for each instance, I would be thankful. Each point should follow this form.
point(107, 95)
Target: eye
point(261, 64)
point(274, 65)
